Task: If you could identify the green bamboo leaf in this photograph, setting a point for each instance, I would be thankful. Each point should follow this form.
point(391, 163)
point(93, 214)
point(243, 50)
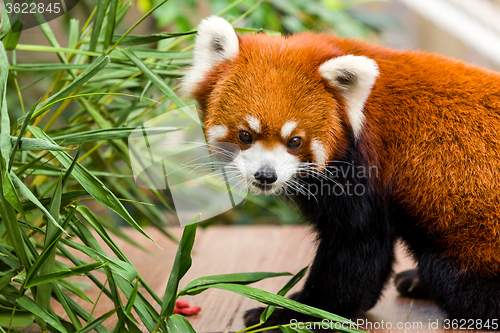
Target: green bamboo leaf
point(92, 185)
point(238, 278)
point(96, 322)
point(85, 315)
point(12, 38)
point(89, 216)
point(18, 140)
point(111, 24)
point(30, 305)
point(19, 319)
point(72, 287)
point(292, 282)
point(109, 134)
point(8, 258)
point(159, 54)
point(49, 34)
point(179, 324)
point(7, 277)
point(182, 263)
point(41, 260)
point(276, 300)
point(46, 67)
point(5, 146)
point(102, 6)
point(44, 292)
point(9, 218)
point(66, 198)
point(119, 267)
point(34, 144)
point(11, 195)
point(24, 190)
point(70, 312)
point(286, 329)
point(89, 72)
point(72, 166)
point(22, 167)
point(131, 298)
point(253, 30)
point(51, 49)
point(160, 84)
point(143, 308)
point(73, 32)
point(131, 40)
point(59, 275)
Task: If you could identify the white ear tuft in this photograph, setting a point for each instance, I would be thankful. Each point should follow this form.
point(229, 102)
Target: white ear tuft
point(216, 41)
point(354, 76)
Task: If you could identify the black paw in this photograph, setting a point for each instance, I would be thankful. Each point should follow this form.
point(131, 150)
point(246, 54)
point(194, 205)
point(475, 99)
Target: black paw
point(279, 317)
point(408, 284)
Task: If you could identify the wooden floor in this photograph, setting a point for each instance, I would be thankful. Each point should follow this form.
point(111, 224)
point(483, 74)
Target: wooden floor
point(235, 249)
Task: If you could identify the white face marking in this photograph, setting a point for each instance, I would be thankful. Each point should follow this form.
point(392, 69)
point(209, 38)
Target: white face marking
point(319, 152)
point(355, 77)
point(287, 129)
point(215, 133)
point(257, 157)
point(253, 123)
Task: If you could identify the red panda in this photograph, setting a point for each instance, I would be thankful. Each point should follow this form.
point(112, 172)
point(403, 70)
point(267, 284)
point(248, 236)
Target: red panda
point(314, 113)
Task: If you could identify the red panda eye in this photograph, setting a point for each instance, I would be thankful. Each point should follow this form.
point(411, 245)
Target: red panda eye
point(245, 137)
point(294, 143)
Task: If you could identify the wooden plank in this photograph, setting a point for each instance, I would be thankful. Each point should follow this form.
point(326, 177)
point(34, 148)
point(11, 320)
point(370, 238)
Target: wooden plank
point(234, 249)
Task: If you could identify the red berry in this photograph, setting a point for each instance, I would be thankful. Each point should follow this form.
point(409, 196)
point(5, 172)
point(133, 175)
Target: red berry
point(190, 311)
point(182, 304)
point(177, 311)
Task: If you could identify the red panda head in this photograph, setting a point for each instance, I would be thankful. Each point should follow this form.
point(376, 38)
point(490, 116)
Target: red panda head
point(289, 103)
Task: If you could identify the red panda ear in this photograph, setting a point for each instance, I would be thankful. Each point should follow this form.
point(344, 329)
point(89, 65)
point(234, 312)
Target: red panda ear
point(216, 41)
point(354, 76)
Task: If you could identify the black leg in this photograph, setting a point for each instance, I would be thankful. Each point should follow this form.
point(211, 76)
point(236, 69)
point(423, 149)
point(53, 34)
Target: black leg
point(352, 264)
point(462, 294)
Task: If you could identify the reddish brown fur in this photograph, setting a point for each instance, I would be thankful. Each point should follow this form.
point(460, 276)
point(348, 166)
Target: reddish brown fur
point(432, 122)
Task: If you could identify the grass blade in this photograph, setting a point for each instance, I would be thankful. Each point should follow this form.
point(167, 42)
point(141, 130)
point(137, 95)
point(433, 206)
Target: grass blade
point(179, 324)
point(88, 73)
point(238, 278)
point(96, 322)
point(92, 185)
point(108, 134)
point(34, 144)
point(44, 292)
point(132, 40)
point(24, 190)
point(19, 319)
point(73, 32)
point(5, 146)
point(181, 265)
point(59, 275)
point(111, 23)
point(9, 219)
point(292, 282)
point(30, 305)
point(102, 6)
point(159, 83)
point(276, 300)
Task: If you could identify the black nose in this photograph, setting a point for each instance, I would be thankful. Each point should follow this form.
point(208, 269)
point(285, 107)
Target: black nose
point(266, 175)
